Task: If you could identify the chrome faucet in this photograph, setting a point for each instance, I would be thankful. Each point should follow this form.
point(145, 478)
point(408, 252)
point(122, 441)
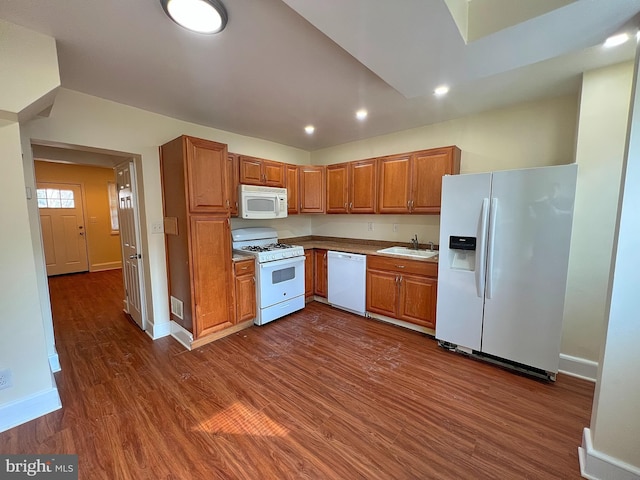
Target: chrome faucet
point(414, 242)
point(431, 246)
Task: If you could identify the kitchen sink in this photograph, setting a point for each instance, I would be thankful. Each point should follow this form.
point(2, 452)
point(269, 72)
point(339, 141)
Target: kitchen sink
point(409, 252)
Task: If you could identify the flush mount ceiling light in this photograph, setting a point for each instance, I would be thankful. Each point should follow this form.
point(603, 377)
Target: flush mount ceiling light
point(441, 90)
point(309, 129)
point(361, 114)
point(200, 16)
point(616, 40)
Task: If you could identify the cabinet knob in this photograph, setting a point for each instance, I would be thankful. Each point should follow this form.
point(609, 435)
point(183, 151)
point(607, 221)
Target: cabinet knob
point(345, 205)
point(350, 205)
point(400, 266)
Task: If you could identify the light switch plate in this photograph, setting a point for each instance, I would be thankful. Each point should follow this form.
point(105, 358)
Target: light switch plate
point(157, 227)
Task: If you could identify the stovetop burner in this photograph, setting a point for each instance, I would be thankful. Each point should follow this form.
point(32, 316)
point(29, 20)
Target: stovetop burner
point(266, 248)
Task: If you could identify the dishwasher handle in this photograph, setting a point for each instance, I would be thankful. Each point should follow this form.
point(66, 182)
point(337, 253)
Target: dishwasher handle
point(347, 256)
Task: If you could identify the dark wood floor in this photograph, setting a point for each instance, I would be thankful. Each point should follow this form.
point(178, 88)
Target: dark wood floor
point(319, 394)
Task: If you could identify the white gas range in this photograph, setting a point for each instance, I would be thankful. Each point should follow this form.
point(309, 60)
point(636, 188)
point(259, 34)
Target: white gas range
point(279, 272)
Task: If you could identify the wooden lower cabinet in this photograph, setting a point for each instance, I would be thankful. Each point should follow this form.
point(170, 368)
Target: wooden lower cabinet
point(308, 273)
point(211, 263)
point(402, 289)
point(320, 272)
point(245, 289)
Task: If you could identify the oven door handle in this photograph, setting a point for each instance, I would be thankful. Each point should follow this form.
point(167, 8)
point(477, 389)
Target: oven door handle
point(283, 262)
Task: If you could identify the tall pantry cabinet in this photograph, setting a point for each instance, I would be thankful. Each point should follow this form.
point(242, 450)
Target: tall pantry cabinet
point(196, 205)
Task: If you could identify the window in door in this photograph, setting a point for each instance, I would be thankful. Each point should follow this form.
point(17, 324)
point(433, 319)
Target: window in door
point(55, 198)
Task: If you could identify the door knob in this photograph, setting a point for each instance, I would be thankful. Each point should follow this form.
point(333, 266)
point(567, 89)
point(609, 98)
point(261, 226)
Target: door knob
point(137, 255)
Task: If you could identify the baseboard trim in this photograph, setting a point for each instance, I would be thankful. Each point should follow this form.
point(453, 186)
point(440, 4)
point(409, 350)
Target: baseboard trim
point(101, 267)
point(158, 330)
point(29, 408)
point(400, 323)
point(54, 362)
point(595, 465)
point(182, 335)
point(578, 367)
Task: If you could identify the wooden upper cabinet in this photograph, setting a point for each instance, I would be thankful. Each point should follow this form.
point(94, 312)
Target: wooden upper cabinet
point(293, 201)
point(274, 173)
point(351, 187)
point(256, 171)
point(233, 179)
point(312, 189)
point(338, 188)
point(394, 177)
point(412, 182)
point(206, 163)
point(363, 184)
point(429, 167)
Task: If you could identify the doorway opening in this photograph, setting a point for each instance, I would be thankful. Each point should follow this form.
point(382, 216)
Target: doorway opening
point(90, 216)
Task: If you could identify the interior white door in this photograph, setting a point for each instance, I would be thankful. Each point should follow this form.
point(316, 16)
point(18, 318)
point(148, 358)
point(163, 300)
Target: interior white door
point(63, 232)
point(130, 238)
point(461, 274)
point(533, 211)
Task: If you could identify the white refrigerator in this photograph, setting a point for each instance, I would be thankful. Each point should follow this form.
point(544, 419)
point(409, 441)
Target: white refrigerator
point(502, 272)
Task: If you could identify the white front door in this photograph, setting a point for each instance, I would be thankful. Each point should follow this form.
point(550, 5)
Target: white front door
point(130, 238)
point(63, 232)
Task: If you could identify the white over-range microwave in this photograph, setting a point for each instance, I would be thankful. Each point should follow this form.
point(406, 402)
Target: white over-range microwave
point(262, 202)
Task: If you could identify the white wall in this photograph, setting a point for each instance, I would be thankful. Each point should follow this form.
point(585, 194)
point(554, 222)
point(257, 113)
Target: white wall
point(29, 67)
point(79, 119)
point(612, 444)
point(22, 341)
point(604, 108)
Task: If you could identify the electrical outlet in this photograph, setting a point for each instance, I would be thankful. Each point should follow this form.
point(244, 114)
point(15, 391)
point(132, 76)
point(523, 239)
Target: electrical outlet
point(157, 227)
point(395, 227)
point(5, 379)
point(370, 226)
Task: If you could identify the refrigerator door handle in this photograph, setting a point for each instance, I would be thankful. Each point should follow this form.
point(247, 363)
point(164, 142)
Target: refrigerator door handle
point(490, 249)
point(481, 259)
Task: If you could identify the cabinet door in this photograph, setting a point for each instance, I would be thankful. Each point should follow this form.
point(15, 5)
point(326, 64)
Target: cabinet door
point(308, 273)
point(338, 188)
point(246, 298)
point(233, 179)
point(418, 300)
point(382, 292)
point(211, 263)
point(394, 184)
point(428, 168)
point(251, 170)
point(363, 183)
point(206, 176)
point(312, 189)
point(320, 272)
point(293, 203)
point(273, 173)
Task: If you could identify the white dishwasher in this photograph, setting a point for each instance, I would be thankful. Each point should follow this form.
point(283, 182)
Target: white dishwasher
point(347, 281)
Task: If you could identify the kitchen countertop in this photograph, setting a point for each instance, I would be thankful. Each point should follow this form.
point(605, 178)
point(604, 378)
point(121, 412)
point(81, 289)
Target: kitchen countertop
point(351, 245)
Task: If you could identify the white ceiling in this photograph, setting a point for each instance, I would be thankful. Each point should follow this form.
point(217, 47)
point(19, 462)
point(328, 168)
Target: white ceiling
point(280, 65)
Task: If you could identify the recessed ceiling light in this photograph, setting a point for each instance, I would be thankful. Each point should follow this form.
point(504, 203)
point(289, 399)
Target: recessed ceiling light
point(361, 114)
point(200, 16)
point(309, 129)
point(441, 90)
point(616, 40)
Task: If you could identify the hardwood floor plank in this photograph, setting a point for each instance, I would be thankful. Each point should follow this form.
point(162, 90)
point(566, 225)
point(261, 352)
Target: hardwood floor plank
point(320, 394)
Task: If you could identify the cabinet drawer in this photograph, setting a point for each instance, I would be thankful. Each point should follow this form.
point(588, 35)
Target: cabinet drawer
point(244, 267)
point(428, 269)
